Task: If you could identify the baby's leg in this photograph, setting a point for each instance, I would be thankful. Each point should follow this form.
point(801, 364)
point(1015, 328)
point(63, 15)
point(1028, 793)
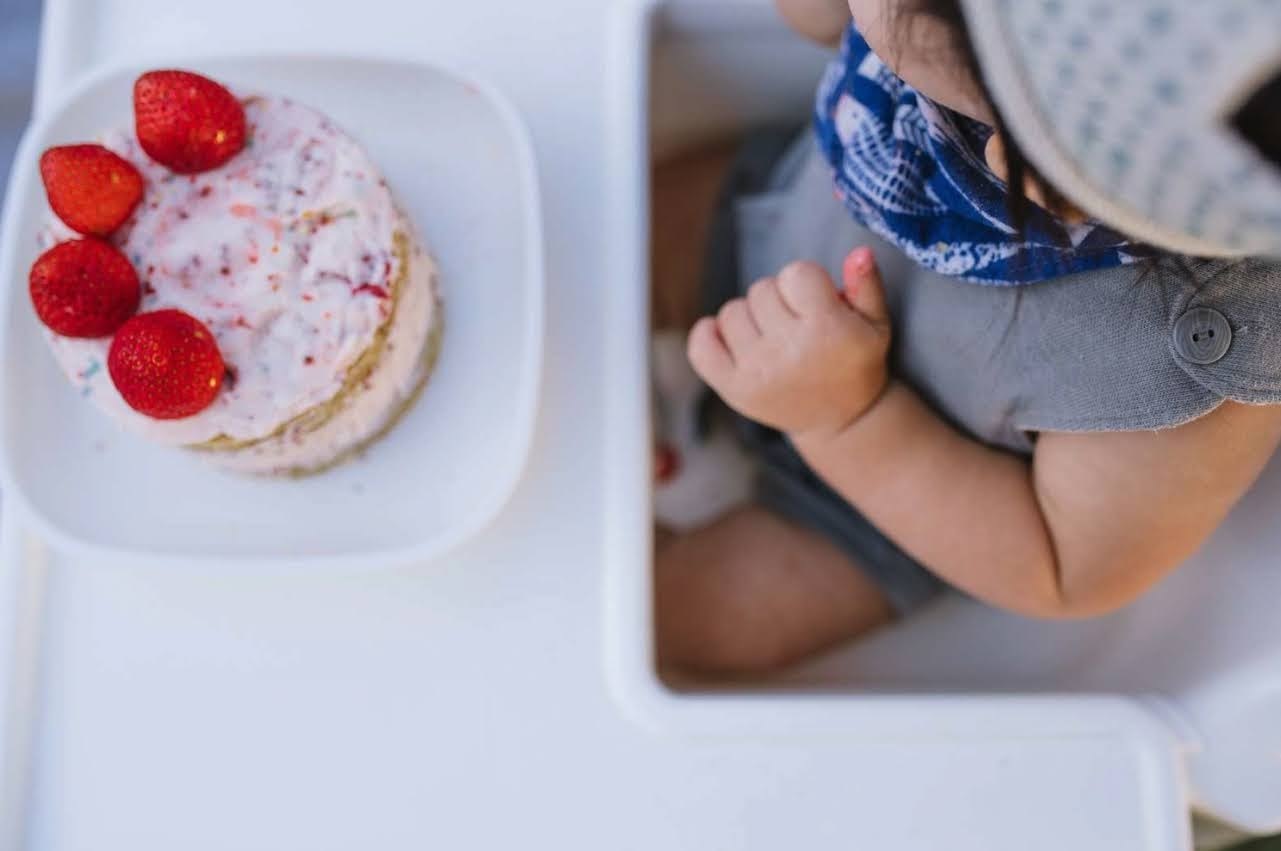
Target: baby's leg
point(684, 192)
point(754, 592)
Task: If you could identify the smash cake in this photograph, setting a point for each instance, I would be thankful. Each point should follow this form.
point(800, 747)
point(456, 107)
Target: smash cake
point(233, 275)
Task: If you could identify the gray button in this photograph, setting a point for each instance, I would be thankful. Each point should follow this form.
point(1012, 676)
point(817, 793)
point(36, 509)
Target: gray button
point(1202, 335)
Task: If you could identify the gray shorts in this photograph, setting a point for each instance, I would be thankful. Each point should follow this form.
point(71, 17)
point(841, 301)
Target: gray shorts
point(746, 243)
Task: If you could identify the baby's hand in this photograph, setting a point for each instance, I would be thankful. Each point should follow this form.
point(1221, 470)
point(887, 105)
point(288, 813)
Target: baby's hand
point(797, 354)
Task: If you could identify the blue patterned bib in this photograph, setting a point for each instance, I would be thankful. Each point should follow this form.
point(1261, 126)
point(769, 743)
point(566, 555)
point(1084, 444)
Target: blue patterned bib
point(914, 173)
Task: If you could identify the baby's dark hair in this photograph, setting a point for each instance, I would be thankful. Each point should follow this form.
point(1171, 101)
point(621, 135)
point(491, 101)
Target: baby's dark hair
point(1258, 120)
point(1018, 168)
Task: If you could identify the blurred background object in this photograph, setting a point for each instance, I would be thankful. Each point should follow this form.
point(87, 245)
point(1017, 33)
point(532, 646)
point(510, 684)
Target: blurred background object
point(19, 34)
point(1266, 844)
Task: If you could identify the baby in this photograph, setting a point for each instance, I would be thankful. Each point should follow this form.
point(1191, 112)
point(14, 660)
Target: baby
point(1032, 347)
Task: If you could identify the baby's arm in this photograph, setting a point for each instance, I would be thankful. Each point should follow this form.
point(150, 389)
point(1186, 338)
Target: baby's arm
point(821, 20)
point(1093, 521)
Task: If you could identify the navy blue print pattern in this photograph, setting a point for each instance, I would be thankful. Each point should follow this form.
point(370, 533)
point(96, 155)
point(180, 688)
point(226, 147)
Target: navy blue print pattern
point(914, 173)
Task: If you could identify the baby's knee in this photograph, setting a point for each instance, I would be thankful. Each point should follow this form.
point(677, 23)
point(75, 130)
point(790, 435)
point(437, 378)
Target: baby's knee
point(707, 620)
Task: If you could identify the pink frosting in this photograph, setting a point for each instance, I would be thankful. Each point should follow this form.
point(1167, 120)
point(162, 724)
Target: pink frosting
point(286, 253)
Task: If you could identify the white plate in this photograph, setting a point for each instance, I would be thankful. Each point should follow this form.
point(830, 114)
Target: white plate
point(459, 159)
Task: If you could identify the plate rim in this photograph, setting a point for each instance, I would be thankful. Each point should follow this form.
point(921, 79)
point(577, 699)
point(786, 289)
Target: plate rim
point(531, 361)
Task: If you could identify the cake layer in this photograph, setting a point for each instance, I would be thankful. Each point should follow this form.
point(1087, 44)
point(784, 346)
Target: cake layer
point(366, 409)
point(289, 254)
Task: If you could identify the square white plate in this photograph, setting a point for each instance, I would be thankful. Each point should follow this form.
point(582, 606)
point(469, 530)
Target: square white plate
point(458, 158)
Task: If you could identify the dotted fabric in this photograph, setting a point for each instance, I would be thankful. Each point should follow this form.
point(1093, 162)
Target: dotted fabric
point(1135, 95)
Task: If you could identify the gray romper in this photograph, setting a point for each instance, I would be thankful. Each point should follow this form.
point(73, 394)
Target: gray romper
point(1149, 346)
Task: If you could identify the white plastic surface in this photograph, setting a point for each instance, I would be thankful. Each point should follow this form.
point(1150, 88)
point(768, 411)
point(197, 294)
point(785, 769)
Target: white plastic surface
point(458, 157)
point(490, 700)
point(23, 576)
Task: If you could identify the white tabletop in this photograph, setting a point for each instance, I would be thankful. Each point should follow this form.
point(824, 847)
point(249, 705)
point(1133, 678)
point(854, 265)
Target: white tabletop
point(464, 703)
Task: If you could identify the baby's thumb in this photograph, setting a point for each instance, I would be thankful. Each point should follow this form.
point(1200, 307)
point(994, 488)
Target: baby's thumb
point(862, 285)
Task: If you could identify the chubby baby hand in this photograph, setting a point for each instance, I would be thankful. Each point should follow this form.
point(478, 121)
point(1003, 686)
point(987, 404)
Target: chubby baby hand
point(797, 354)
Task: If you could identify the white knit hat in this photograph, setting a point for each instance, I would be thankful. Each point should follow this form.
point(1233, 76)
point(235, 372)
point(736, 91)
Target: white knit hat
point(1125, 107)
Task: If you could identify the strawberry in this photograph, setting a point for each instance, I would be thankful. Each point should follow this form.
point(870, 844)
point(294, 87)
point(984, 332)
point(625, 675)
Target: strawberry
point(166, 364)
point(84, 288)
point(90, 188)
point(187, 122)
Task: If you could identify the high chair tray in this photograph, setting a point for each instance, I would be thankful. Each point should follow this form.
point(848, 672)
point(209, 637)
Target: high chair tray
point(505, 696)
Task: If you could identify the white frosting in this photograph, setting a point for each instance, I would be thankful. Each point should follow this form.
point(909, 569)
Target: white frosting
point(367, 410)
point(287, 254)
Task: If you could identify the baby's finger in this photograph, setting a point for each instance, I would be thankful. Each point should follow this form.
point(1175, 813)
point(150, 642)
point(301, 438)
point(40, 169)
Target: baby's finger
point(738, 328)
point(806, 288)
point(864, 289)
point(768, 308)
point(708, 353)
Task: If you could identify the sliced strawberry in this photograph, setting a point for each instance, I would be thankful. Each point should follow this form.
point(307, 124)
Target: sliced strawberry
point(187, 122)
point(166, 365)
point(84, 288)
point(90, 188)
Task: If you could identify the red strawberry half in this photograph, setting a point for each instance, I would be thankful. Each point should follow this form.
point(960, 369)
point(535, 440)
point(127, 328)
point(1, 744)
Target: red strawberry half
point(187, 122)
point(166, 364)
point(84, 288)
point(90, 188)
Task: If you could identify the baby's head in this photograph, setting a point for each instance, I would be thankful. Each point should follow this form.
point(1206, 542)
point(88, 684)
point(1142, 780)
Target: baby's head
point(926, 43)
point(1162, 119)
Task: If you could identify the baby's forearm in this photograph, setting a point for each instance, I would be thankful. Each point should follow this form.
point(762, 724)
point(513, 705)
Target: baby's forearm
point(967, 511)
